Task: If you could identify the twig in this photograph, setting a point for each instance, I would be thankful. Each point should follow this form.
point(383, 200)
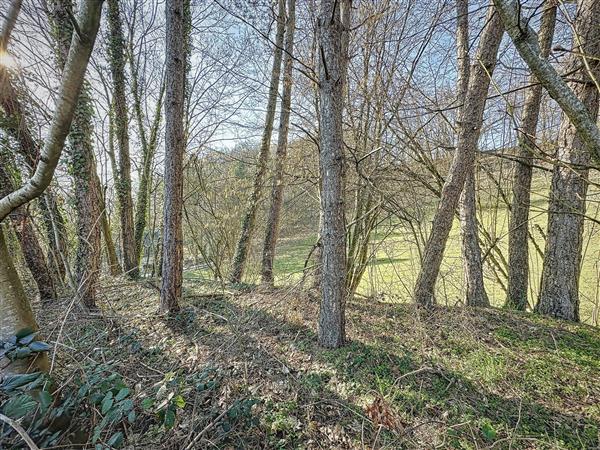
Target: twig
point(206, 428)
point(19, 429)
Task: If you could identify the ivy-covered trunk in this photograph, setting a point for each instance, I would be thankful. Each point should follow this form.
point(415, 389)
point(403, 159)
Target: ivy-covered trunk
point(116, 55)
point(82, 166)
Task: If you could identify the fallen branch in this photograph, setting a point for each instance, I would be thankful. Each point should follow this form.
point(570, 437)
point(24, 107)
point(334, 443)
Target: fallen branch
point(19, 429)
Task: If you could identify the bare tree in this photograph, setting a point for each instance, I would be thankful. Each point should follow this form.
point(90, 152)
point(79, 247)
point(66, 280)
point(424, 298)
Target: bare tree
point(518, 237)
point(248, 222)
point(332, 29)
point(559, 290)
point(15, 308)
point(471, 119)
point(177, 20)
point(475, 294)
point(281, 152)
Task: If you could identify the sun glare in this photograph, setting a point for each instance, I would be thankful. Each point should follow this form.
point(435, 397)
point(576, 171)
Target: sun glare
point(7, 60)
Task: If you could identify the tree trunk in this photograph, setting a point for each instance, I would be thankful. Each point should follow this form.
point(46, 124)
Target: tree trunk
point(471, 120)
point(475, 294)
point(82, 167)
point(15, 310)
point(526, 42)
point(332, 65)
point(148, 150)
point(15, 313)
point(559, 289)
point(172, 260)
point(111, 253)
point(28, 241)
point(281, 153)
point(116, 52)
point(243, 244)
point(518, 230)
point(16, 125)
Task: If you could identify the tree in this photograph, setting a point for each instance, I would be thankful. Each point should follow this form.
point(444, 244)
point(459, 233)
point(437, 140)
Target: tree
point(249, 220)
point(177, 17)
point(15, 308)
point(518, 248)
point(475, 294)
point(526, 43)
point(471, 119)
point(559, 289)
point(82, 165)
point(332, 29)
point(116, 52)
point(273, 217)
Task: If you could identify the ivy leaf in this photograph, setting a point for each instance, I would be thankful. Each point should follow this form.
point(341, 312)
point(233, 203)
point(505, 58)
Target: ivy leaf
point(27, 339)
point(488, 431)
point(179, 402)
point(124, 392)
point(169, 420)
point(19, 406)
point(38, 346)
point(107, 402)
point(116, 439)
point(24, 332)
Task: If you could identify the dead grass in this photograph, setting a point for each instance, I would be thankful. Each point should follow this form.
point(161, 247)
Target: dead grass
point(452, 378)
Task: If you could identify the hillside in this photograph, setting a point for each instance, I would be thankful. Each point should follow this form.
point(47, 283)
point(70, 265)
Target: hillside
point(242, 369)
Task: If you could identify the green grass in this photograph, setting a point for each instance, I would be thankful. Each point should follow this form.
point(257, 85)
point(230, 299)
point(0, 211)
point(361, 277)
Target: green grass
point(394, 268)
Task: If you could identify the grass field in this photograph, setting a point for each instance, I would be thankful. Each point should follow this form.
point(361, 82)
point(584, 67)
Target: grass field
point(393, 269)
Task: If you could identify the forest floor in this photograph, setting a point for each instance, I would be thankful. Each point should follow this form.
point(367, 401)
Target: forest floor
point(242, 369)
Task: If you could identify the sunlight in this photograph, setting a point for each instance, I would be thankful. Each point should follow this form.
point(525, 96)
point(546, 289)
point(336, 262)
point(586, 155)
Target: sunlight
point(9, 61)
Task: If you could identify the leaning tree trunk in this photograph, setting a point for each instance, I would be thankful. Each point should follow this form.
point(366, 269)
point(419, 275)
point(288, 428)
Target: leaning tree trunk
point(518, 230)
point(281, 153)
point(16, 125)
point(475, 294)
point(116, 52)
point(526, 42)
point(332, 65)
point(15, 309)
point(471, 120)
point(559, 289)
point(28, 241)
point(177, 16)
point(82, 166)
point(248, 223)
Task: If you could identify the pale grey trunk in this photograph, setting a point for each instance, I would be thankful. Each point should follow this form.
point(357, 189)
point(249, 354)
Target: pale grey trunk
point(518, 232)
point(475, 294)
point(248, 222)
point(526, 42)
point(116, 52)
point(332, 66)
point(559, 289)
point(175, 143)
point(471, 120)
point(273, 218)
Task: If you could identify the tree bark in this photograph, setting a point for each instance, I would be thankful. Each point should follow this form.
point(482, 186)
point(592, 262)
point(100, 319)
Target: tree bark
point(559, 289)
point(82, 165)
point(148, 150)
point(248, 223)
point(71, 84)
point(471, 120)
point(172, 260)
point(518, 231)
point(332, 65)
point(15, 309)
point(16, 125)
point(526, 42)
point(116, 52)
point(475, 294)
point(281, 152)
point(28, 241)
point(15, 313)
